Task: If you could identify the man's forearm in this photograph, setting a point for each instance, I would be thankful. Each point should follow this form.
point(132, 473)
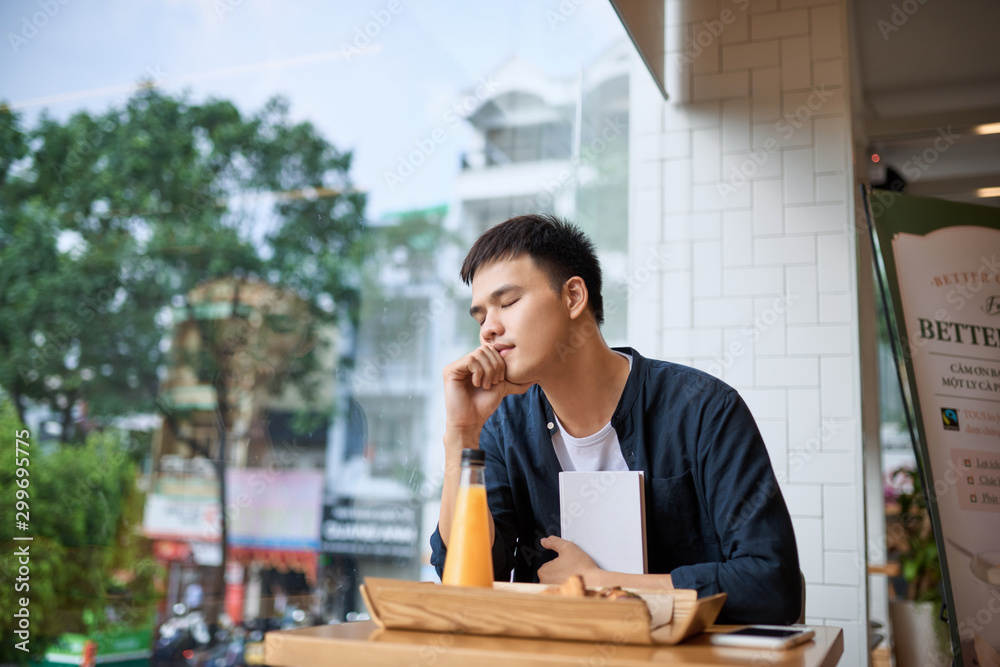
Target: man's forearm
point(454, 443)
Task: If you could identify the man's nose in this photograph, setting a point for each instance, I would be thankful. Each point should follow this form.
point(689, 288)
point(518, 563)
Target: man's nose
point(492, 327)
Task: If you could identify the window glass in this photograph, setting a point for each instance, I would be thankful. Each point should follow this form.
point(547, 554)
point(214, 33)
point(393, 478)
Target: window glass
point(233, 232)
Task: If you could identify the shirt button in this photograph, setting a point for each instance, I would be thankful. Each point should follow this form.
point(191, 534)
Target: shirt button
point(550, 425)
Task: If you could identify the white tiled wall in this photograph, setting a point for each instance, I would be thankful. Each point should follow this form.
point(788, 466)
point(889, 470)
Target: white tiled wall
point(742, 179)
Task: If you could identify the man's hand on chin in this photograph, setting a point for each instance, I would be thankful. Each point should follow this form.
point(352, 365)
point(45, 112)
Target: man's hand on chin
point(571, 560)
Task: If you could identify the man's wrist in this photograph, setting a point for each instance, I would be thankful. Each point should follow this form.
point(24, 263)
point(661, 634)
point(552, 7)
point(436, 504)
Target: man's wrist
point(456, 439)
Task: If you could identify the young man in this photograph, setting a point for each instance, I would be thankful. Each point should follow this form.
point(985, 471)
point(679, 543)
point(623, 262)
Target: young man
point(543, 392)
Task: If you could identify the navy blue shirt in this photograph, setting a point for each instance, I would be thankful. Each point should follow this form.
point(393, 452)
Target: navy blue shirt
point(715, 518)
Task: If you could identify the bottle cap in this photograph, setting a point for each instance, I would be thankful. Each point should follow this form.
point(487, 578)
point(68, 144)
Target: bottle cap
point(473, 456)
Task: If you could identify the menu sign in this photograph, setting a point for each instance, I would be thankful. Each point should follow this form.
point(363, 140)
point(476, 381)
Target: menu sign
point(940, 263)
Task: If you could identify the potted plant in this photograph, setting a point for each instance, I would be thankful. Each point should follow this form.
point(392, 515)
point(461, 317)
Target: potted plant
point(915, 613)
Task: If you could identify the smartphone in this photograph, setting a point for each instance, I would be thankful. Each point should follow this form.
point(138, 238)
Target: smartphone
point(764, 636)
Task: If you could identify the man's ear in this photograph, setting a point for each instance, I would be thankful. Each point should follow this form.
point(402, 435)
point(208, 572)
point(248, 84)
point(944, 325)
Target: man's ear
point(575, 296)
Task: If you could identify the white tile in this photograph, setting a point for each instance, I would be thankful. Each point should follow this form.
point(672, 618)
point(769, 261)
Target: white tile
point(822, 339)
point(827, 38)
point(809, 538)
point(677, 75)
point(675, 255)
point(722, 312)
point(750, 55)
point(751, 164)
point(820, 467)
point(705, 51)
point(768, 326)
point(766, 98)
point(692, 342)
point(831, 188)
point(763, 6)
point(831, 144)
point(835, 308)
point(842, 523)
point(828, 72)
point(737, 23)
point(707, 268)
point(768, 217)
point(676, 185)
point(795, 4)
point(779, 24)
point(801, 281)
point(843, 567)
point(803, 417)
point(787, 372)
point(737, 238)
point(692, 226)
point(838, 398)
point(721, 195)
point(705, 160)
point(817, 101)
point(675, 144)
point(803, 499)
point(645, 149)
point(753, 282)
point(700, 10)
point(775, 440)
point(784, 250)
point(816, 218)
point(765, 403)
point(648, 209)
point(721, 86)
point(688, 116)
point(840, 435)
point(834, 602)
point(647, 174)
point(785, 133)
point(796, 63)
point(736, 125)
point(676, 289)
point(834, 262)
point(798, 175)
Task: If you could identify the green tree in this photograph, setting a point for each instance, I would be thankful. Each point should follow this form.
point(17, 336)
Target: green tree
point(106, 221)
point(85, 555)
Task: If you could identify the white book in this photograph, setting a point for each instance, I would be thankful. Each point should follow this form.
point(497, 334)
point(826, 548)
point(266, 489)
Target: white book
point(604, 513)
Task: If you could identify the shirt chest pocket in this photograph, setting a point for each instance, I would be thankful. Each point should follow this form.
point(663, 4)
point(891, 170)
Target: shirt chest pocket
point(675, 517)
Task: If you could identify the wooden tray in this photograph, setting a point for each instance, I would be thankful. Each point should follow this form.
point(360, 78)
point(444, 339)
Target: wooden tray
point(517, 610)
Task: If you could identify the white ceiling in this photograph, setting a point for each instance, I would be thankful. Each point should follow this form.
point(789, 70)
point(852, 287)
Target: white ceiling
point(940, 69)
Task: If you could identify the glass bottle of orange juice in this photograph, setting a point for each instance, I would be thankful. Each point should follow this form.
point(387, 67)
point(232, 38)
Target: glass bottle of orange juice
point(470, 558)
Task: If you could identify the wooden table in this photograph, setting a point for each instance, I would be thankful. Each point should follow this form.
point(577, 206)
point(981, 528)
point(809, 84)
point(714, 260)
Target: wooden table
point(363, 643)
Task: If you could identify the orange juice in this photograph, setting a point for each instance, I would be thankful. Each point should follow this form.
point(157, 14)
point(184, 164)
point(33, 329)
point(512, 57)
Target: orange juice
point(470, 560)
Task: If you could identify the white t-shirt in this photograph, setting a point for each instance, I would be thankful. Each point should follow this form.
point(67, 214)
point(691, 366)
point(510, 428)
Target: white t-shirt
point(598, 452)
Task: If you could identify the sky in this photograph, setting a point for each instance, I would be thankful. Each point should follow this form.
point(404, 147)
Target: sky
point(376, 77)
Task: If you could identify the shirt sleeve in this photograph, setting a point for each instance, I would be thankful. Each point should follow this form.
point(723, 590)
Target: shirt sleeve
point(760, 573)
point(500, 500)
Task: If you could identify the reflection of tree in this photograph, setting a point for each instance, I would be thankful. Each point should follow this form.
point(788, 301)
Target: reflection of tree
point(108, 220)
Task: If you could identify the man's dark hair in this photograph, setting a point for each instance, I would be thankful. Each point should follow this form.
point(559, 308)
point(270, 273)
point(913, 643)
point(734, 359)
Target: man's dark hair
point(558, 249)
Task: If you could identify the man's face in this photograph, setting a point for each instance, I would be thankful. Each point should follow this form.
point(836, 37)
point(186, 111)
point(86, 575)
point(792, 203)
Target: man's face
point(519, 314)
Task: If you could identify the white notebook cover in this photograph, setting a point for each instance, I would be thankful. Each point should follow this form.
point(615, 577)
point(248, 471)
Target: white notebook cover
point(604, 513)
